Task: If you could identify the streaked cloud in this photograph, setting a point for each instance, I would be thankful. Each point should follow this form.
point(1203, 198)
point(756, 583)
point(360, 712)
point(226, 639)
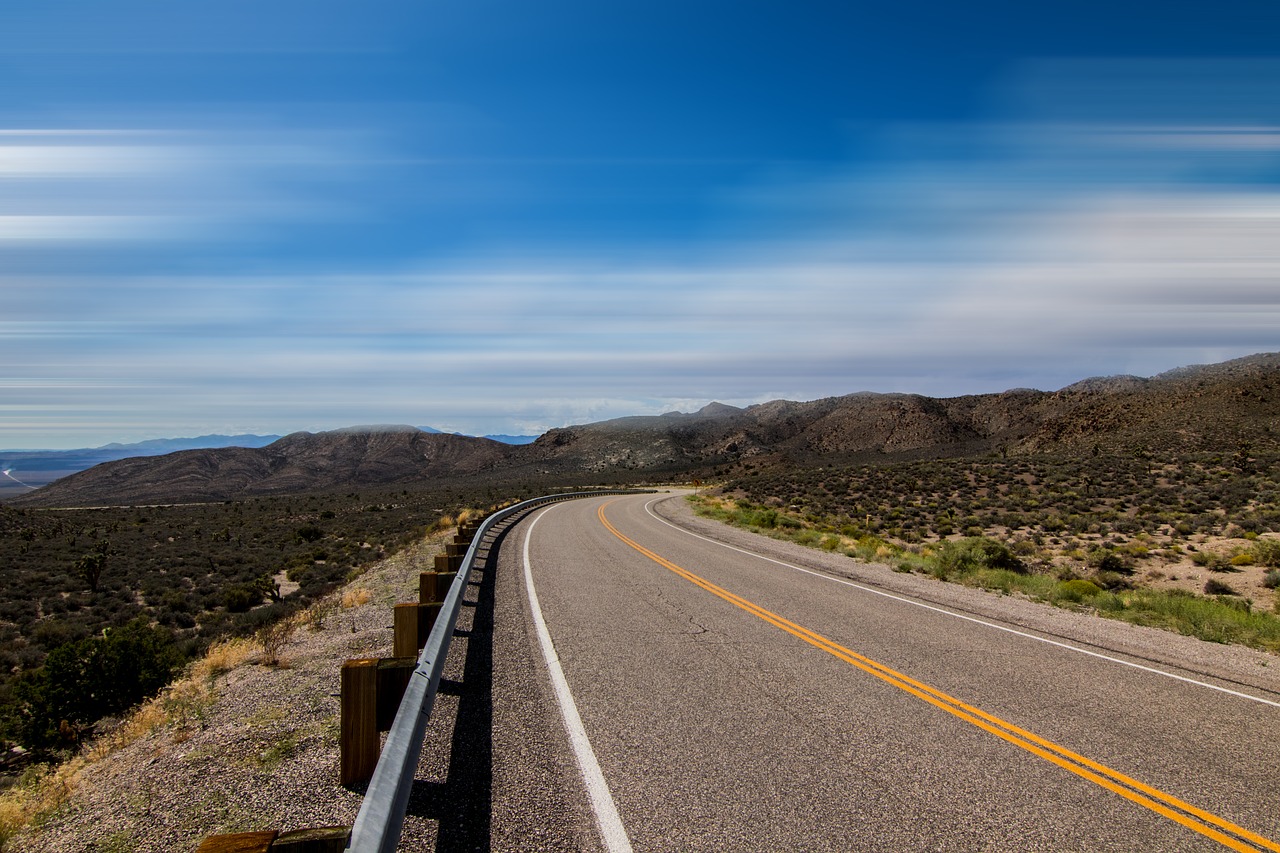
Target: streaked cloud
point(968, 258)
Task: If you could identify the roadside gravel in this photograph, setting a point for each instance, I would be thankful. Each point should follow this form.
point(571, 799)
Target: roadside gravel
point(262, 755)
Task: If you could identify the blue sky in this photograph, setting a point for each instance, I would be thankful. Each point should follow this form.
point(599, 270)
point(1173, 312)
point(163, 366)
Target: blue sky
point(503, 217)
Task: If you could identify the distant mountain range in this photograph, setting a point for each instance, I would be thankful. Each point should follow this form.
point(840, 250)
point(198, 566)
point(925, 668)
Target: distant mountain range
point(28, 469)
point(1229, 408)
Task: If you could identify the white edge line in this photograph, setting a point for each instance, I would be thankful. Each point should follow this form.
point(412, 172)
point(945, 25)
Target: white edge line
point(649, 509)
point(612, 832)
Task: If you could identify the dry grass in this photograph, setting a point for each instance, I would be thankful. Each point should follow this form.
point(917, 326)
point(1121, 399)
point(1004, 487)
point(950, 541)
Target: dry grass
point(356, 597)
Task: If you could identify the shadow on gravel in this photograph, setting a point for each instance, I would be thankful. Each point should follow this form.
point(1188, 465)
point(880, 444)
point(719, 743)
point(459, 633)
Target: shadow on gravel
point(462, 803)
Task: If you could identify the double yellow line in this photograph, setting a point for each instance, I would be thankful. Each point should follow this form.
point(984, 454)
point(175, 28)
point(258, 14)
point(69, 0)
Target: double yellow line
point(1197, 819)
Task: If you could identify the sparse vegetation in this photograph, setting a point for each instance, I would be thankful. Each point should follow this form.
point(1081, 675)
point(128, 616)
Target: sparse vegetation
point(1067, 531)
point(172, 580)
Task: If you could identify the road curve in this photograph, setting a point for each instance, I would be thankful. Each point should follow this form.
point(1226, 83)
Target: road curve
point(733, 703)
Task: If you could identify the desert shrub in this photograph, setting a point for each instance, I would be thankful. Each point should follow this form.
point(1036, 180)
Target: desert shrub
point(1106, 560)
point(1209, 560)
point(1216, 587)
point(85, 680)
point(273, 637)
point(241, 597)
point(1076, 590)
point(1271, 580)
point(1266, 552)
point(975, 552)
point(1111, 580)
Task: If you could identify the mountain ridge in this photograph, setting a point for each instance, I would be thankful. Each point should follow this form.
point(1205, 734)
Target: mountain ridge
point(1217, 407)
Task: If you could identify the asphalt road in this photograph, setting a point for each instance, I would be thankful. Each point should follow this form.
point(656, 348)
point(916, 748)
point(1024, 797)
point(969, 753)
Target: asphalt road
point(735, 703)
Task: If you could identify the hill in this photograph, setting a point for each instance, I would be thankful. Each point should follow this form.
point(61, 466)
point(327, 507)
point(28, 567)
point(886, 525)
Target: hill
point(1203, 408)
point(297, 463)
point(1227, 407)
point(30, 469)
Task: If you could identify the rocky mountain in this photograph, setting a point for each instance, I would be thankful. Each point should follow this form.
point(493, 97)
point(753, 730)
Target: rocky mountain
point(1204, 408)
point(1219, 408)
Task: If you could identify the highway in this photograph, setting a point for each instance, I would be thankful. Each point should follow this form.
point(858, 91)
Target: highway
point(722, 700)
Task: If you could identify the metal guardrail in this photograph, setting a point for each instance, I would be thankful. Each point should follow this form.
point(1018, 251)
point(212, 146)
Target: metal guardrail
point(381, 816)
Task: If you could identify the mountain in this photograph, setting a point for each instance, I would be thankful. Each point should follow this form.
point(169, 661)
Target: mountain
point(27, 469)
point(505, 439)
point(299, 462)
point(513, 439)
point(1217, 407)
point(1225, 407)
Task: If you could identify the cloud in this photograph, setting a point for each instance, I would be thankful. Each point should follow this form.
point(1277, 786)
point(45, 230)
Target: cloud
point(971, 259)
point(197, 185)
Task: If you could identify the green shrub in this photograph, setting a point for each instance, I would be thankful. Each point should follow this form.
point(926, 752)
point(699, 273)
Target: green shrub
point(975, 552)
point(1111, 581)
point(241, 597)
point(86, 680)
point(1266, 552)
point(1106, 560)
point(1271, 580)
point(1077, 590)
point(1217, 587)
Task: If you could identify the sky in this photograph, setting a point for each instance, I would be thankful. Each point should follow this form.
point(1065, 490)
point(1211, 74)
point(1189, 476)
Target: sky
point(501, 217)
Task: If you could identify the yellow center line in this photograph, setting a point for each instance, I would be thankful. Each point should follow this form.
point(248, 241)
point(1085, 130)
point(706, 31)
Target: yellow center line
point(1192, 817)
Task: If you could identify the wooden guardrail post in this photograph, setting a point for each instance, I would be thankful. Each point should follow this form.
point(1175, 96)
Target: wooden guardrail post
point(447, 563)
point(413, 624)
point(325, 839)
point(371, 692)
point(358, 745)
point(239, 842)
point(393, 678)
point(432, 586)
point(328, 839)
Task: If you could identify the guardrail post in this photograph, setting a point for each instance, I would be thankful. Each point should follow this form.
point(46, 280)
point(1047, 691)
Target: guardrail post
point(447, 563)
point(412, 626)
point(328, 839)
point(358, 736)
point(432, 586)
point(393, 678)
point(239, 842)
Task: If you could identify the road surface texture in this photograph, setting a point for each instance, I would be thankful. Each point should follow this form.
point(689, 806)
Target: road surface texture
point(791, 699)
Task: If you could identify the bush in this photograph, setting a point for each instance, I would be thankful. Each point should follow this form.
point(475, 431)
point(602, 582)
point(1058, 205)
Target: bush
point(1077, 590)
point(1266, 552)
point(975, 552)
point(1217, 587)
point(241, 597)
point(84, 681)
point(1105, 560)
point(1271, 580)
point(1111, 581)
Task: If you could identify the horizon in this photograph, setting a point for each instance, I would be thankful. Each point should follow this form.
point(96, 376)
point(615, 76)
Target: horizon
point(488, 434)
point(501, 219)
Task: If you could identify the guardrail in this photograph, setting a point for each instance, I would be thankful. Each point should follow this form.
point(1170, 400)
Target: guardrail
point(378, 824)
